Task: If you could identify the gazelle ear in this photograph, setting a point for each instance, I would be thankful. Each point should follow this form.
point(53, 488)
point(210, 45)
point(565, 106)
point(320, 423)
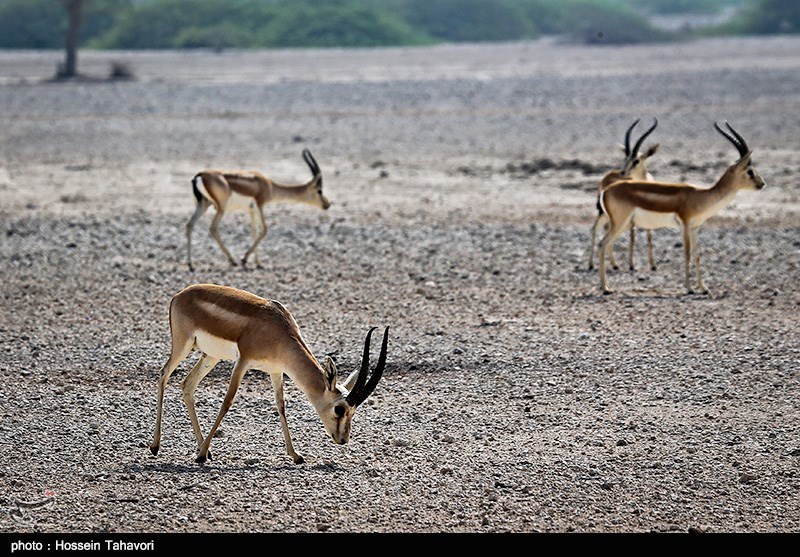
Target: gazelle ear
point(652, 150)
point(330, 373)
point(745, 160)
point(351, 380)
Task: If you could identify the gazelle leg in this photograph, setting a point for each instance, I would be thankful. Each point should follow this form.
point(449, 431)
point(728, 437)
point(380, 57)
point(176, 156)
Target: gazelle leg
point(600, 220)
point(650, 250)
point(605, 247)
point(215, 234)
point(687, 256)
point(179, 353)
point(256, 237)
point(202, 207)
point(239, 370)
point(631, 264)
point(189, 384)
point(277, 386)
point(696, 251)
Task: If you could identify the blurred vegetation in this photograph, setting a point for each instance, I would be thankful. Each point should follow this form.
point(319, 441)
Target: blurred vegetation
point(219, 24)
point(765, 17)
point(682, 6)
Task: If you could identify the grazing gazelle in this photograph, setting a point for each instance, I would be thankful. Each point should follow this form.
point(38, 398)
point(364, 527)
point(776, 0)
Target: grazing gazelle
point(225, 323)
point(634, 167)
point(666, 204)
point(239, 190)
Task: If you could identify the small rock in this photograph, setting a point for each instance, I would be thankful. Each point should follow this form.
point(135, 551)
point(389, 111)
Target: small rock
point(401, 442)
point(251, 461)
point(447, 471)
point(323, 527)
point(485, 520)
point(794, 452)
point(746, 478)
point(622, 443)
point(608, 486)
point(383, 174)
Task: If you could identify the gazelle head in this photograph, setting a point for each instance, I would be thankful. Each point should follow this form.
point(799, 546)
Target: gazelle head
point(339, 402)
point(314, 195)
point(635, 163)
point(741, 172)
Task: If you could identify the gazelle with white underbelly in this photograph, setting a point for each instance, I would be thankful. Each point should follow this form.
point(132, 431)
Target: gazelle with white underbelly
point(248, 191)
point(634, 167)
point(668, 204)
point(225, 323)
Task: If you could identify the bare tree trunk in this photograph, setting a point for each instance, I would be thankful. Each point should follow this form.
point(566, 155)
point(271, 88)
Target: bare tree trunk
point(70, 67)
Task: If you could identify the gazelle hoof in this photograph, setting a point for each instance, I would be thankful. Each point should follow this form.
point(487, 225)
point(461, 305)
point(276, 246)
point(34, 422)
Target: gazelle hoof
point(154, 450)
point(606, 292)
point(298, 459)
point(200, 459)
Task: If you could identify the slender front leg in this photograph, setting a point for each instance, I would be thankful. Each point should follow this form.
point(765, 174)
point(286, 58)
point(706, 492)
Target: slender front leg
point(631, 264)
point(179, 353)
point(189, 384)
point(256, 238)
point(215, 234)
point(277, 386)
point(239, 370)
point(601, 219)
point(650, 250)
point(696, 250)
point(202, 207)
point(605, 247)
point(687, 255)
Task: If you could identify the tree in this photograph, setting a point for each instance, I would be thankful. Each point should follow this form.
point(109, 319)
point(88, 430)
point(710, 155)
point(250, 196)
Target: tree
point(75, 15)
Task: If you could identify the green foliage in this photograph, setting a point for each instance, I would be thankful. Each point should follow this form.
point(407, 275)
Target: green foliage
point(681, 6)
point(767, 17)
point(470, 20)
point(146, 24)
point(609, 23)
point(42, 23)
point(338, 24)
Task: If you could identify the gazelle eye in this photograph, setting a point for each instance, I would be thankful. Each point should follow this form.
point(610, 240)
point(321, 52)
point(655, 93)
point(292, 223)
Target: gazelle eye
point(635, 162)
point(750, 172)
point(339, 411)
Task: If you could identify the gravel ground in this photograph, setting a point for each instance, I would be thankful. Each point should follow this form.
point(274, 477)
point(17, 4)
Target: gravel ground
point(516, 398)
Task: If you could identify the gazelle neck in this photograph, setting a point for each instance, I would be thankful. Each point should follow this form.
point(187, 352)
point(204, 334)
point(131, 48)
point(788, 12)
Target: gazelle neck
point(308, 375)
point(296, 193)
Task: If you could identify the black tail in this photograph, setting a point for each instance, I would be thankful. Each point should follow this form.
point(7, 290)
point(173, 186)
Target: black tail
point(197, 194)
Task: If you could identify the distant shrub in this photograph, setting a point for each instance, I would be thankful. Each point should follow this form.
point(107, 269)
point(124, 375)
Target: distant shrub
point(767, 17)
point(470, 20)
point(603, 25)
point(121, 71)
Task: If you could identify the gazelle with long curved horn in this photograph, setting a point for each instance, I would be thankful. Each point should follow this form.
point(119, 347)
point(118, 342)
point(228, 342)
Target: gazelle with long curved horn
point(634, 167)
point(668, 204)
point(225, 323)
point(239, 190)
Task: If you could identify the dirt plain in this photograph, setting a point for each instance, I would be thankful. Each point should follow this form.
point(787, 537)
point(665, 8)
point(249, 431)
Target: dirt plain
point(516, 397)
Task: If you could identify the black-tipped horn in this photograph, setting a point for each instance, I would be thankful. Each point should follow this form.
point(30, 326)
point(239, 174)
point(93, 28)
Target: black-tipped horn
point(311, 162)
point(628, 138)
point(354, 394)
point(736, 139)
point(363, 388)
point(378, 372)
point(635, 151)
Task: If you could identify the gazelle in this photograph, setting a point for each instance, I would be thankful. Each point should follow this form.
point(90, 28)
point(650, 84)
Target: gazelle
point(667, 204)
point(634, 167)
point(225, 323)
point(238, 191)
